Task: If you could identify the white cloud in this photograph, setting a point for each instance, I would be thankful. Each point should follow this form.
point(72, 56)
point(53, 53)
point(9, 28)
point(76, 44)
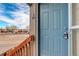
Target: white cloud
point(22, 6)
point(6, 19)
point(21, 18)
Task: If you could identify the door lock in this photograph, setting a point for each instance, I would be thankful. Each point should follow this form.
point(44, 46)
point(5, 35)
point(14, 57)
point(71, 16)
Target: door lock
point(65, 35)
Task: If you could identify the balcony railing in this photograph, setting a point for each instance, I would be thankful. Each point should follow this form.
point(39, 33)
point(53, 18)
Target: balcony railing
point(23, 49)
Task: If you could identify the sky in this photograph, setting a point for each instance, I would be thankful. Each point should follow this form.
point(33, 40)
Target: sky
point(14, 14)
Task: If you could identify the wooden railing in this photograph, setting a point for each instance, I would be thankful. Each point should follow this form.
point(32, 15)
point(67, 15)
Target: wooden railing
point(23, 49)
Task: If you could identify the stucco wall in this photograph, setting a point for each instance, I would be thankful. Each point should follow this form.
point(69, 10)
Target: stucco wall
point(75, 33)
point(33, 25)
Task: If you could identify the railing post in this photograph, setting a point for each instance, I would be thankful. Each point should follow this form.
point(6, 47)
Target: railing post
point(16, 53)
point(31, 43)
point(23, 51)
point(28, 49)
point(31, 46)
point(20, 51)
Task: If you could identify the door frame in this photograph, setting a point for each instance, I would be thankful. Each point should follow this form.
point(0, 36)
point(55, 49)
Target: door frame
point(70, 41)
point(69, 31)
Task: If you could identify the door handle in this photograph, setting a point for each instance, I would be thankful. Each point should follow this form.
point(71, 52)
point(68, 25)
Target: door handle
point(65, 35)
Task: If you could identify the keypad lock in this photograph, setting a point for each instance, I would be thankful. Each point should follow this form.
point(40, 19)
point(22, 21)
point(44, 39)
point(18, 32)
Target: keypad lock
point(65, 35)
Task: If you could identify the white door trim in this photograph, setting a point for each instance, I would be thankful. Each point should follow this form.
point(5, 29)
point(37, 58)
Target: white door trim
point(69, 29)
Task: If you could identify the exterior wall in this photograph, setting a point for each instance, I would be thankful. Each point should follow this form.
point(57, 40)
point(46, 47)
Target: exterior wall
point(34, 25)
point(75, 33)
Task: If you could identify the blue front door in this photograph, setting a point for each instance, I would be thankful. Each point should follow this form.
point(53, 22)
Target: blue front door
point(53, 29)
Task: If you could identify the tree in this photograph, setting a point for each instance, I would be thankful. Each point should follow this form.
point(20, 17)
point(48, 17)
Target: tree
point(11, 27)
point(0, 28)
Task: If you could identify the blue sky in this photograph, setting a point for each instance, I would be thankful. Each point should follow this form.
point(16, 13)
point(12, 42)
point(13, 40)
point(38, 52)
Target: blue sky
point(14, 14)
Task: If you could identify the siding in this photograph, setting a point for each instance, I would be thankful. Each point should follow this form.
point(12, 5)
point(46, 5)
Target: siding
point(75, 33)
